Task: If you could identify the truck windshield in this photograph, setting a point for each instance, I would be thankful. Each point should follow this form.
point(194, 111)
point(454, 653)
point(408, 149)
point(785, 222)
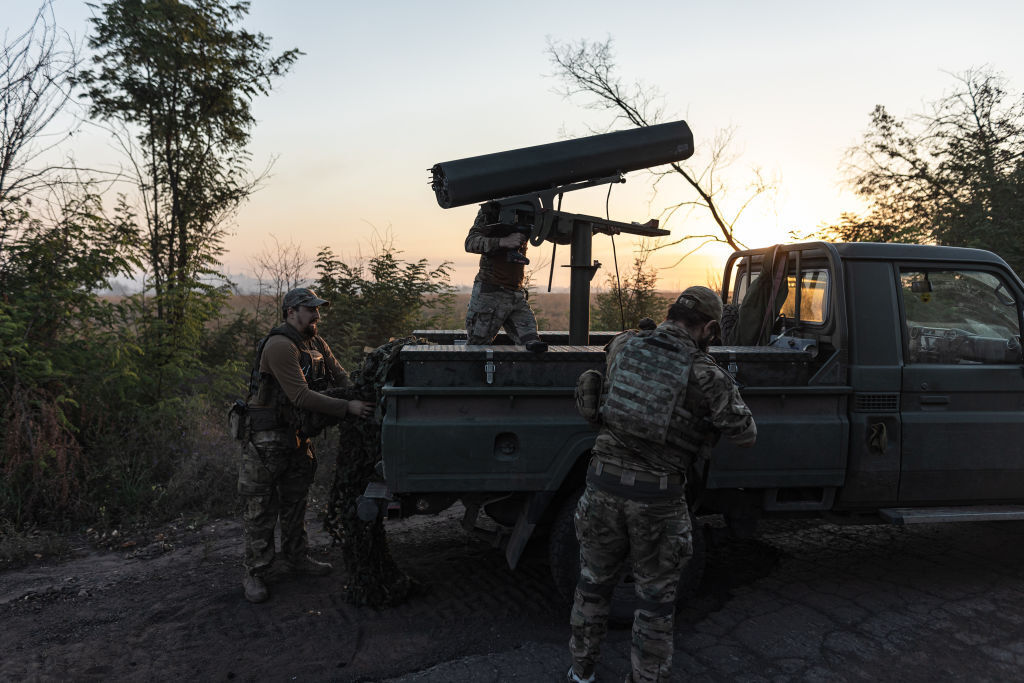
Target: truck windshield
point(959, 317)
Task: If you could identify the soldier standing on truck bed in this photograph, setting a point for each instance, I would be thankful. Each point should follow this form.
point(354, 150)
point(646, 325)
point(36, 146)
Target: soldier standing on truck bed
point(293, 366)
point(499, 298)
point(665, 403)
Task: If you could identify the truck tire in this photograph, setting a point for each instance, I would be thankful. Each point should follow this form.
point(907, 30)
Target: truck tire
point(730, 317)
point(564, 557)
point(563, 548)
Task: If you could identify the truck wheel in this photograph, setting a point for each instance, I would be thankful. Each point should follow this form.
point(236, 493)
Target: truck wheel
point(564, 549)
point(564, 557)
point(730, 317)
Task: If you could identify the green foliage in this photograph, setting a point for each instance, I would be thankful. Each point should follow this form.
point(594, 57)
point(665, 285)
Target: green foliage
point(854, 228)
point(54, 337)
point(181, 77)
point(112, 410)
point(953, 175)
point(385, 298)
point(170, 458)
point(639, 299)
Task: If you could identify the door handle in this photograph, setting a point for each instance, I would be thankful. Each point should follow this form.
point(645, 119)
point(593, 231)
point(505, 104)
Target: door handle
point(878, 437)
point(935, 400)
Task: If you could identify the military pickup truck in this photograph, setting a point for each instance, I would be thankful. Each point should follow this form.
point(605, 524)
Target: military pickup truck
point(888, 387)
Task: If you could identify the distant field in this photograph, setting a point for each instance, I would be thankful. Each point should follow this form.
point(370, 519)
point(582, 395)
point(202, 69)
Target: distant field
point(552, 309)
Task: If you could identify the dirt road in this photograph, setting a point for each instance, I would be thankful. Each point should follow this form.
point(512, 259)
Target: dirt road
point(803, 602)
point(174, 610)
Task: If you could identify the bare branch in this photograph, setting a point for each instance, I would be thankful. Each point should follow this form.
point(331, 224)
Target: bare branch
point(588, 69)
point(279, 268)
point(37, 68)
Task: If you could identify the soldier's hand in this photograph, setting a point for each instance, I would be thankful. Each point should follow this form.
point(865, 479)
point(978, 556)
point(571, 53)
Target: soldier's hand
point(363, 409)
point(513, 241)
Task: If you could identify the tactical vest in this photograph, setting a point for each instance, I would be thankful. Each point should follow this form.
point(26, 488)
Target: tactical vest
point(646, 394)
point(273, 409)
point(496, 269)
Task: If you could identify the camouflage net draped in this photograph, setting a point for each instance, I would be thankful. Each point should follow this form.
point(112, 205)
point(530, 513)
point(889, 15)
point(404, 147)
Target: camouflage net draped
point(373, 577)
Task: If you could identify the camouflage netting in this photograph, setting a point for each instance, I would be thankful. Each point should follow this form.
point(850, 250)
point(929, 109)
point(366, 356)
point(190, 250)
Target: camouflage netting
point(373, 577)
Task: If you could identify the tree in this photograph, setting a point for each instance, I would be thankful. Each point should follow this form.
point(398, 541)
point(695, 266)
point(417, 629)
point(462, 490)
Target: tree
point(589, 69)
point(278, 269)
point(854, 228)
point(953, 174)
point(178, 77)
point(58, 344)
point(36, 71)
point(624, 304)
point(384, 298)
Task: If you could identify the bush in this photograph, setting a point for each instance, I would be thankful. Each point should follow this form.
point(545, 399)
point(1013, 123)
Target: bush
point(381, 300)
point(622, 307)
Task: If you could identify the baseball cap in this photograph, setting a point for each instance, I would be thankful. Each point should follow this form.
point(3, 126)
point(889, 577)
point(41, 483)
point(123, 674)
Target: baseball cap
point(702, 300)
point(301, 296)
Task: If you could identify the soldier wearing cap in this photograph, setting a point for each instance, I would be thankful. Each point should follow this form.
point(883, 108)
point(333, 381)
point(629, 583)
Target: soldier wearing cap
point(664, 404)
point(293, 366)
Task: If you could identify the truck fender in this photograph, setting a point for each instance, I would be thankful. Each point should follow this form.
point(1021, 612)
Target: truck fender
point(537, 503)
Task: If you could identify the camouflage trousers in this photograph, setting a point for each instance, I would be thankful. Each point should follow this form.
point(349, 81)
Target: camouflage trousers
point(273, 481)
point(490, 311)
point(655, 537)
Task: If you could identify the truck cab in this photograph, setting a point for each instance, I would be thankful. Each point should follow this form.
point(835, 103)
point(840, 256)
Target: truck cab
point(916, 395)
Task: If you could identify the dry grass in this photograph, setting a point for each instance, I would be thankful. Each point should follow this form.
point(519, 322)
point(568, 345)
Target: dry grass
point(552, 309)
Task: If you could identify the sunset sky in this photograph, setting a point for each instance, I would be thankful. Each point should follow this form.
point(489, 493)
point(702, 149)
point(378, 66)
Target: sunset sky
point(387, 89)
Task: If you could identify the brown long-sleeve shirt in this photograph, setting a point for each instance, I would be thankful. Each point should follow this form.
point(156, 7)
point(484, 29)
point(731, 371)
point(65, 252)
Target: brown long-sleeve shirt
point(281, 359)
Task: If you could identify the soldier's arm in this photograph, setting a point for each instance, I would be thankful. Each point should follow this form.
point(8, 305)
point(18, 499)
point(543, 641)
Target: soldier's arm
point(729, 412)
point(476, 241)
point(281, 359)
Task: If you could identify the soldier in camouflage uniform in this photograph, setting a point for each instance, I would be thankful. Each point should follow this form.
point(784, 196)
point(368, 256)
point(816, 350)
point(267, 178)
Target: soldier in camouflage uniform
point(293, 367)
point(499, 298)
point(664, 403)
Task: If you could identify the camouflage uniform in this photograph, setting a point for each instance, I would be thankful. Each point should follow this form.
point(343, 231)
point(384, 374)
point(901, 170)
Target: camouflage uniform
point(278, 463)
point(274, 477)
point(634, 506)
point(498, 299)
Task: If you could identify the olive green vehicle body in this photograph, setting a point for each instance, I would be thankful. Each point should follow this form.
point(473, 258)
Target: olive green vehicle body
point(862, 413)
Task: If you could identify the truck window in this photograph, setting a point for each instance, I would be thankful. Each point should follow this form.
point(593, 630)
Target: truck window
point(959, 317)
point(813, 291)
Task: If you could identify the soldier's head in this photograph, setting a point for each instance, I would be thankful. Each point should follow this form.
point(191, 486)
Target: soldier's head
point(699, 310)
point(301, 309)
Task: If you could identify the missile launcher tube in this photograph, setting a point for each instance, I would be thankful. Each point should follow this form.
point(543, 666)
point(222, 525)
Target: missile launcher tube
point(542, 167)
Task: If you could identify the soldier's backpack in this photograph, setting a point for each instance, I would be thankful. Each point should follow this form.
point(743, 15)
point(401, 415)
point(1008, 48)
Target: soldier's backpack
point(645, 380)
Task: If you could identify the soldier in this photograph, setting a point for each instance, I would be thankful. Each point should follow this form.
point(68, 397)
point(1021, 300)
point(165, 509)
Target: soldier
point(665, 402)
point(499, 299)
point(293, 365)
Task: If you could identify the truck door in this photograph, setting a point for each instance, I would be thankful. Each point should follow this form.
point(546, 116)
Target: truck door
point(962, 403)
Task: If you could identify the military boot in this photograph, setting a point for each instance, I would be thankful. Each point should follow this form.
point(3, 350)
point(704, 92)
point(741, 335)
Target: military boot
point(536, 346)
point(255, 588)
point(307, 565)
